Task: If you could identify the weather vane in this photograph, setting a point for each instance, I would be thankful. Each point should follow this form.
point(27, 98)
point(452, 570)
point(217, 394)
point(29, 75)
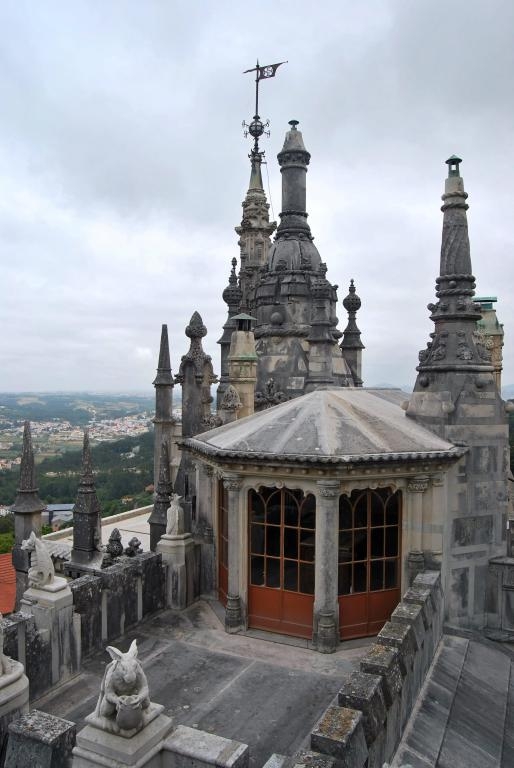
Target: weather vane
point(257, 128)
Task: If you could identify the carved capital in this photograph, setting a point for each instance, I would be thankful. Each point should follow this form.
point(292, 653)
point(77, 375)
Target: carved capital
point(418, 484)
point(232, 482)
point(327, 489)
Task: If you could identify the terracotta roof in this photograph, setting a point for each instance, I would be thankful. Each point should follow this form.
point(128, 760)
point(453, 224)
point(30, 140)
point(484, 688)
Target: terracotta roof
point(7, 584)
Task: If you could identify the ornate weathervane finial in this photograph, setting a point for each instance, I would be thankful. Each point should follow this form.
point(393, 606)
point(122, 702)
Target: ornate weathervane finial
point(257, 128)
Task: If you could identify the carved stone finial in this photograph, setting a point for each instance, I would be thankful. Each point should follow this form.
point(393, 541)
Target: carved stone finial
point(233, 294)
point(114, 546)
point(134, 547)
point(352, 302)
point(196, 329)
point(231, 400)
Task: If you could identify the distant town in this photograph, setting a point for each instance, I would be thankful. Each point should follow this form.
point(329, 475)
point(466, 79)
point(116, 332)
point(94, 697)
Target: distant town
point(58, 421)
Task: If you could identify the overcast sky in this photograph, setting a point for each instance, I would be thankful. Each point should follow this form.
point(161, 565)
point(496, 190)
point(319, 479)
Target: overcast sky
point(123, 167)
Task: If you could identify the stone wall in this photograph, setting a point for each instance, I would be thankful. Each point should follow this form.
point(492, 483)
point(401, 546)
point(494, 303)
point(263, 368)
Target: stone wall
point(374, 704)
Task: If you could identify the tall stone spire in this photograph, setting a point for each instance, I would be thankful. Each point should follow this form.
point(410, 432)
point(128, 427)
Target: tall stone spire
point(254, 233)
point(453, 348)
point(27, 510)
point(87, 526)
point(295, 305)
point(157, 517)
point(163, 421)
point(351, 344)
point(456, 397)
point(232, 296)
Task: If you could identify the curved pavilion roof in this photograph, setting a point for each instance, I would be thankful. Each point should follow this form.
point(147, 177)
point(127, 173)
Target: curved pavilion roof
point(330, 426)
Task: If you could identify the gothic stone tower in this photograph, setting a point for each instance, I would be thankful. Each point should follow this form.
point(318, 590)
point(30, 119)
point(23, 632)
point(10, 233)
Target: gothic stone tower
point(295, 305)
point(456, 396)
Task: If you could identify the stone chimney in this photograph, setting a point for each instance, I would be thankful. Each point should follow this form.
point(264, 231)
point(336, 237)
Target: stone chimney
point(242, 364)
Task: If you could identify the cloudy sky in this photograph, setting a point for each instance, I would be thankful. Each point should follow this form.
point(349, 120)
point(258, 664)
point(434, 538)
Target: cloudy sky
point(123, 167)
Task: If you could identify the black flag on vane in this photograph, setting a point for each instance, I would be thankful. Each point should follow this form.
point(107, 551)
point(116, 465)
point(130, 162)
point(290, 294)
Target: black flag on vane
point(267, 71)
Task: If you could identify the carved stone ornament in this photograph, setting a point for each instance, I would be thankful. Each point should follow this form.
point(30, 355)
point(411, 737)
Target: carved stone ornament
point(231, 400)
point(328, 491)
point(134, 547)
point(41, 571)
point(124, 705)
point(270, 396)
point(175, 517)
point(232, 483)
point(114, 546)
point(417, 485)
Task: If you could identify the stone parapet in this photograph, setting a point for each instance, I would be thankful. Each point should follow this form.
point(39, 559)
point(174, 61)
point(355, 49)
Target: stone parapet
point(377, 701)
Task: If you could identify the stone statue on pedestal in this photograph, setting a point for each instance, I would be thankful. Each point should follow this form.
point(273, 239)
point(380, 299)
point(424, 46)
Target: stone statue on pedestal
point(41, 571)
point(175, 517)
point(124, 705)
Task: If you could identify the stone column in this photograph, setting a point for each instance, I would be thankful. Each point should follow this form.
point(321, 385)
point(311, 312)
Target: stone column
point(416, 487)
point(326, 605)
point(233, 611)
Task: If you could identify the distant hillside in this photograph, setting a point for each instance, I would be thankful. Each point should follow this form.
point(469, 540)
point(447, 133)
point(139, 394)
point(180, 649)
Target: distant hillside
point(79, 408)
point(122, 468)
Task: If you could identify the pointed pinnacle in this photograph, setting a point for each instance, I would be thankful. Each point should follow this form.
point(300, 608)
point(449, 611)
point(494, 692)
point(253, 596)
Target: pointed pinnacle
point(27, 468)
point(27, 499)
point(87, 466)
point(164, 366)
point(164, 350)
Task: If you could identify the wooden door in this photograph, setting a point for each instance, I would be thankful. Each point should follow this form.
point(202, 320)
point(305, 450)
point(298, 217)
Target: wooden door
point(281, 534)
point(369, 560)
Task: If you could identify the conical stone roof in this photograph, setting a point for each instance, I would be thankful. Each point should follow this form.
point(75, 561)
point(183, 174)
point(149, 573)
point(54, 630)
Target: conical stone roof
point(332, 426)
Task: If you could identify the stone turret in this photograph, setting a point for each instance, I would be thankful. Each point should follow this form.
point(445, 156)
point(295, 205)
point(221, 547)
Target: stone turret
point(456, 397)
point(27, 510)
point(163, 421)
point(351, 345)
point(232, 296)
point(295, 305)
point(157, 519)
point(87, 525)
point(254, 233)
